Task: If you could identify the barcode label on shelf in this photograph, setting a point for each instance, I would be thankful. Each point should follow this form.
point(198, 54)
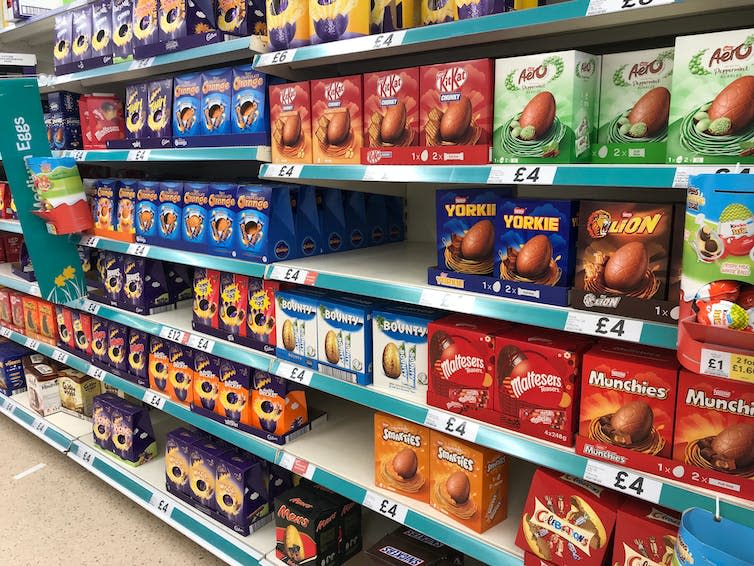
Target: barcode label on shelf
point(31, 344)
point(141, 64)
point(60, 356)
point(96, 373)
point(163, 506)
point(6, 332)
point(39, 426)
point(89, 306)
point(201, 343)
point(385, 506)
point(626, 481)
point(293, 275)
point(682, 174)
point(89, 241)
point(597, 7)
point(295, 373)
point(154, 399)
point(605, 326)
point(452, 424)
point(448, 301)
point(174, 335)
point(521, 175)
point(141, 250)
point(85, 456)
point(297, 465)
point(8, 406)
point(276, 57)
point(284, 171)
point(139, 154)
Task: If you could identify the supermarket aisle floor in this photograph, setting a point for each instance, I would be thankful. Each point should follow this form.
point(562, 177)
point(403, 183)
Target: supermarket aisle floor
point(61, 514)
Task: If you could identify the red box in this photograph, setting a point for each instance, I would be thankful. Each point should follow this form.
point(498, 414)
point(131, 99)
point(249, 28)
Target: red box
point(31, 315)
point(462, 365)
point(714, 424)
point(628, 397)
point(448, 87)
point(82, 332)
point(101, 120)
point(539, 373)
point(12, 246)
point(64, 319)
point(6, 208)
point(337, 121)
point(291, 101)
point(234, 291)
point(566, 520)
point(397, 93)
point(5, 311)
point(532, 560)
point(644, 534)
point(17, 310)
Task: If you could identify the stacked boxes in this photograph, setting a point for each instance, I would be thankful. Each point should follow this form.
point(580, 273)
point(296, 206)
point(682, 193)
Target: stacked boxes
point(124, 429)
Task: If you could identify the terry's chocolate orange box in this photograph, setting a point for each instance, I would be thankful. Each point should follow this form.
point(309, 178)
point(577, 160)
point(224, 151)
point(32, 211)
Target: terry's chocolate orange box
point(566, 520)
point(468, 482)
point(401, 456)
point(337, 135)
point(391, 108)
point(291, 122)
point(628, 397)
point(644, 534)
point(714, 424)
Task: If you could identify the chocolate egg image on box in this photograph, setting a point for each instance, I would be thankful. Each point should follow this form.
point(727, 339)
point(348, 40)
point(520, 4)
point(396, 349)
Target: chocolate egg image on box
point(405, 463)
point(733, 107)
point(339, 128)
point(534, 257)
point(478, 241)
point(332, 352)
point(651, 110)
point(632, 423)
point(626, 267)
point(458, 487)
point(391, 362)
point(289, 339)
point(456, 120)
point(537, 116)
point(734, 446)
point(393, 123)
point(292, 130)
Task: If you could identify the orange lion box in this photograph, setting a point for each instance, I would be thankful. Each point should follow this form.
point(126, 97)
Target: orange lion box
point(401, 456)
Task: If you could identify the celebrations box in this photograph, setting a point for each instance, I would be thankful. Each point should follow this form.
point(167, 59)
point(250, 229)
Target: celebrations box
point(644, 534)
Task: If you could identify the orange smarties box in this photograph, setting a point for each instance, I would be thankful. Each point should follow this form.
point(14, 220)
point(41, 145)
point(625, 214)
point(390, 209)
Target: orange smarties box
point(468, 482)
point(714, 424)
point(566, 520)
point(337, 120)
point(401, 456)
point(291, 120)
point(628, 397)
point(47, 327)
point(644, 534)
point(391, 108)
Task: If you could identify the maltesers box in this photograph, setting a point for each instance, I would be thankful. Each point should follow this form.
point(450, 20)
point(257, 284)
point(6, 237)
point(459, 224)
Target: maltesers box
point(333, 22)
point(468, 482)
point(337, 119)
point(101, 120)
point(628, 397)
point(644, 533)
point(545, 108)
point(401, 456)
point(567, 520)
point(291, 122)
point(391, 108)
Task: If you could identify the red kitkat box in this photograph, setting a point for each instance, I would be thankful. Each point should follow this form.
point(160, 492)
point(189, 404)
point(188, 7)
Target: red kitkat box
point(337, 123)
point(644, 534)
point(539, 372)
point(462, 365)
point(566, 520)
point(456, 103)
point(714, 424)
point(391, 108)
point(291, 122)
point(628, 397)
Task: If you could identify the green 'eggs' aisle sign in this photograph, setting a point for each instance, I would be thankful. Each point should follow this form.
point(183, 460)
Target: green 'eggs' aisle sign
point(23, 133)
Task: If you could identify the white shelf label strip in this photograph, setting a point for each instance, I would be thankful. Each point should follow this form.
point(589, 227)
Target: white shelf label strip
point(295, 373)
point(605, 326)
point(161, 504)
point(623, 480)
point(297, 465)
point(522, 174)
point(452, 424)
point(384, 506)
point(597, 7)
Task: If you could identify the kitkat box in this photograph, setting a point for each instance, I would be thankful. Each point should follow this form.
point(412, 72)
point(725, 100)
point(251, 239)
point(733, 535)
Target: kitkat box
point(337, 119)
point(401, 456)
point(468, 482)
point(644, 534)
point(567, 520)
point(391, 108)
point(714, 424)
point(456, 103)
point(538, 370)
point(628, 397)
point(291, 122)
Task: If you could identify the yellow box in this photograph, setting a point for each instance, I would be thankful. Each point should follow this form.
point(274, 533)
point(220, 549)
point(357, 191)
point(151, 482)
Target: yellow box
point(391, 15)
point(288, 24)
point(433, 12)
point(341, 19)
point(77, 391)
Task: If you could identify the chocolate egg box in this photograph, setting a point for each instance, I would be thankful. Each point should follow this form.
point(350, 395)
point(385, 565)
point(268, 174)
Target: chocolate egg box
point(77, 391)
point(180, 372)
point(122, 29)
point(61, 51)
point(12, 378)
point(42, 384)
point(265, 221)
point(290, 117)
point(159, 364)
point(221, 390)
point(261, 322)
point(124, 429)
point(64, 322)
point(171, 16)
point(277, 406)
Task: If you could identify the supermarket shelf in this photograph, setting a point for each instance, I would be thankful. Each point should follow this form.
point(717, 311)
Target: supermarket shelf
point(144, 484)
point(9, 279)
point(250, 153)
point(10, 226)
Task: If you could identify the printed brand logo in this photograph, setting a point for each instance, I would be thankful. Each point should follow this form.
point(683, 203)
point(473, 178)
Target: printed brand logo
point(633, 386)
point(221, 199)
point(519, 221)
point(147, 194)
point(307, 246)
point(340, 316)
point(186, 90)
point(450, 80)
point(326, 521)
point(604, 453)
point(736, 406)
point(728, 56)
point(215, 85)
point(657, 515)
point(253, 81)
point(287, 95)
point(536, 76)
point(281, 250)
point(496, 463)
point(292, 517)
point(389, 86)
point(404, 437)
point(591, 300)
point(334, 91)
point(334, 241)
point(292, 305)
point(460, 460)
point(643, 68)
point(601, 223)
point(462, 209)
point(585, 69)
point(543, 381)
point(401, 555)
point(170, 196)
point(403, 328)
point(251, 201)
point(548, 520)
point(633, 558)
point(460, 362)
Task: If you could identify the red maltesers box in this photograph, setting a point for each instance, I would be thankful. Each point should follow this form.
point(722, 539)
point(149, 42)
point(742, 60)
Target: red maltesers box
point(539, 373)
point(337, 119)
point(101, 120)
point(628, 397)
point(567, 520)
point(645, 534)
point(391, 108)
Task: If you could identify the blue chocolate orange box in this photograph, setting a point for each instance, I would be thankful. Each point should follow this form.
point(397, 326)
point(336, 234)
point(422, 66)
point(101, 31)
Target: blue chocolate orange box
point(170, 213)
point(355, 212)
point(250, 108)
point(127, 189)
point(147, 205)
point(216, 101)
point(195, 216)
point(187, 105)
point(221, 200)
point(306, 221)
point(332, 220)
point(103, 209)
point(266, 230)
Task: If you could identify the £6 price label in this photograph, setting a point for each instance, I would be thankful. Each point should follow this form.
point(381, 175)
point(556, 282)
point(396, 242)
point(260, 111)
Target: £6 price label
point(452, 424)
point(626, 481)
point(384, 506)
point(276, 57)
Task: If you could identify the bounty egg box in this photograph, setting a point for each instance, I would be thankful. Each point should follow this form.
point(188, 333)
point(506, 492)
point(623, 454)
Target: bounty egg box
point(296, 331)
point(187, 105)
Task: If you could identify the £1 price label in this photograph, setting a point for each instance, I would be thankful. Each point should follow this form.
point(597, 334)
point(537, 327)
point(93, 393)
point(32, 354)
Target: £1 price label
point(154, 399)
point(295, 373)
point(162, 505)
point(385, 506)
point(452, 424)
point(626, 481)
point(605, 326)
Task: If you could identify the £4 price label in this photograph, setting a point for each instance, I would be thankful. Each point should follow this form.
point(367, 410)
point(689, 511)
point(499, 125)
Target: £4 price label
point(90, 307)
point(295, 373)
point(608, 6)
point(60, 356)
point(138, 154)
point(85, 457)
point(293, 275)
point(31, 344)
point(39, 426)
point(6, 332)
point(385, 506)
point(201, 343)
point(626, 481)
point(606, 326)
point(141, 250)
point(96, 373)
point(154, 399)
point(522, 175)
point(89, 241)
point(283, 171)
point(162, 505)
point(452, 424)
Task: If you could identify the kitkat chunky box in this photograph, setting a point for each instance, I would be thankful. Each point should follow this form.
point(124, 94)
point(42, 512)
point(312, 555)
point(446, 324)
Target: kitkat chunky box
point(628, 397)
point(391, 108)
point(337, 119)
point(644, 534)
point(291, 122)
point(537, 118)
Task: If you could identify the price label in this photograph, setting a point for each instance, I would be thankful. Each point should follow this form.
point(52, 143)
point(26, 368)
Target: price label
point(276, 57)
point(385, 506)
point(522, 175)
point(141, 64)
point(293, 275)
point(726, 364)
point(34, 290)
point(6, 332)
point(448, 301)
point(605, 326)
point(39, 426)
point(60, 356)
point(162, 505)
point(295, 373)
point(141, 250)
point(89, 241)
point(154, 399)
point(85, 456)
point(452, 424)
point(297, 465)
point(90, 306)
point(31, 343)
point(383, 40)
point(96, 373)
point(139, 154)
point(9, 406)
point(625, 481)
point(79, 154)
point(608, 6)
point(201, 343)
point(174, 334)
point(283, 171)
point(378, 172)
point(682, 174)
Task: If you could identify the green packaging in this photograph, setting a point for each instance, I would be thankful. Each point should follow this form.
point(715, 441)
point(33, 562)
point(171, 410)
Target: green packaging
point(712, 109)
point(634, 106)
point(545, 108)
